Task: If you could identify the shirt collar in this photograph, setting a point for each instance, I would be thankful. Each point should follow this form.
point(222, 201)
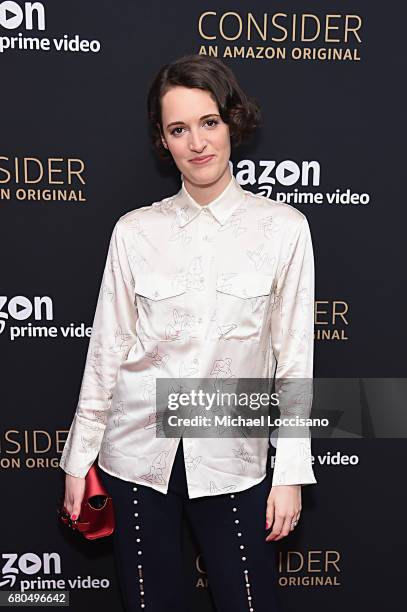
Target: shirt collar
point(221, 207)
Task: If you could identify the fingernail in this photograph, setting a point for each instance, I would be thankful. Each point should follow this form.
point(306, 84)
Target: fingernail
point(73, 517)
point(267, 525)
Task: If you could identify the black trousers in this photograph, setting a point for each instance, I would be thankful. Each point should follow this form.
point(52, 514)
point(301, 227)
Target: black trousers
point(230, 531)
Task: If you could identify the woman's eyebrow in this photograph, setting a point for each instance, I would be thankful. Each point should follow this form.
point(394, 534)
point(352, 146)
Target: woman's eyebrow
point(200, 119)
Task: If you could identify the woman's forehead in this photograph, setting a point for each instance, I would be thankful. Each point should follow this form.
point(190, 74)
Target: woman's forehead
point(182, 103)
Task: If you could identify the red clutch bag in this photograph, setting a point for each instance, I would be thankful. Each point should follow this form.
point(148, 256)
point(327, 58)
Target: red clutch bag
point(96, 518)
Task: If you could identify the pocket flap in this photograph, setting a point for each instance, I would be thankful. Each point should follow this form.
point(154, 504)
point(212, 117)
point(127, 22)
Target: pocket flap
point(244, 285)
point(158, 286)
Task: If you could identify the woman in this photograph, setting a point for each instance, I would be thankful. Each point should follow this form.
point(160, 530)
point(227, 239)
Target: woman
point(213, 283)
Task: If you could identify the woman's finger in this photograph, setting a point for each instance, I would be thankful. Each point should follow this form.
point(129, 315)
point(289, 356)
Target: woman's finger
point(295, 520)
point(74, 493)
point(286, 527)
point(277, 527)
point(76, 509)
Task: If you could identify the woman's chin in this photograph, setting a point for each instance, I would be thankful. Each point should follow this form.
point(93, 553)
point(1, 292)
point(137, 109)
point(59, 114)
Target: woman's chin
point(204, 175)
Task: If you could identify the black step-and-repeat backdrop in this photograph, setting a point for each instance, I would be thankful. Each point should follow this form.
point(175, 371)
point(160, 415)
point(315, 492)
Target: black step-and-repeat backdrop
point(75, 155)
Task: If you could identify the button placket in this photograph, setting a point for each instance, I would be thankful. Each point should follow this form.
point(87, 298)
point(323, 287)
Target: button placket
point(139, 554)
point(244, 557)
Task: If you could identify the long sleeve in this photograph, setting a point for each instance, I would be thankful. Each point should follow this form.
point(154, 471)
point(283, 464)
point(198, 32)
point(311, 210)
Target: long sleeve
point(292, 337)
point(113, 334)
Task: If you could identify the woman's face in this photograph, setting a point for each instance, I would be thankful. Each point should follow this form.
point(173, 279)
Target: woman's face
point(195, 135)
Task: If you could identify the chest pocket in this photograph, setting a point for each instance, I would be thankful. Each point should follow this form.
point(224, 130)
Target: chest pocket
point(158, 286)
point(161, 307)
point(241, 300)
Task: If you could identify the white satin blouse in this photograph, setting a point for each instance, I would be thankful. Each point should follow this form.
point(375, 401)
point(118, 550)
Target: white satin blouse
point(222, 290)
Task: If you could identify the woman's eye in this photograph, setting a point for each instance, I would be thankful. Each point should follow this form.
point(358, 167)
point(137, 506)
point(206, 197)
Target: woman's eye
point(174, 131)
point(177, 131)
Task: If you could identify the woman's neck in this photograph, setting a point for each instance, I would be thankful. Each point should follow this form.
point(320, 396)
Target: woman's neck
point(203, 194)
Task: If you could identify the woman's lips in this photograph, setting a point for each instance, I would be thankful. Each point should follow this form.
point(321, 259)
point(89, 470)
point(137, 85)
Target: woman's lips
point(201, 160)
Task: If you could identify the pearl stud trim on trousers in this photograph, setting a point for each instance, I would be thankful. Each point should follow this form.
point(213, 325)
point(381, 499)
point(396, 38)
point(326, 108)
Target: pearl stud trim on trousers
point(244, 558)
point(139, 553)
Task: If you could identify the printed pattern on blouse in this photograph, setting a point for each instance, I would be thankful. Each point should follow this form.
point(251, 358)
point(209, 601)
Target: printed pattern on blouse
point(220, 291)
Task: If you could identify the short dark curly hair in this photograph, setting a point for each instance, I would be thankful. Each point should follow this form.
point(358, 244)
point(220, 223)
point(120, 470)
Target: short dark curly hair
point(239, 111)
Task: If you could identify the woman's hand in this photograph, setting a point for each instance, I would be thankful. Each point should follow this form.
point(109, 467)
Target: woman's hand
point(74, 493)
point(283, 507)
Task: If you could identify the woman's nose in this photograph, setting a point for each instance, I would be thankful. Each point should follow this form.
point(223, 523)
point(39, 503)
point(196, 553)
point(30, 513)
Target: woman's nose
point(196, 142)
